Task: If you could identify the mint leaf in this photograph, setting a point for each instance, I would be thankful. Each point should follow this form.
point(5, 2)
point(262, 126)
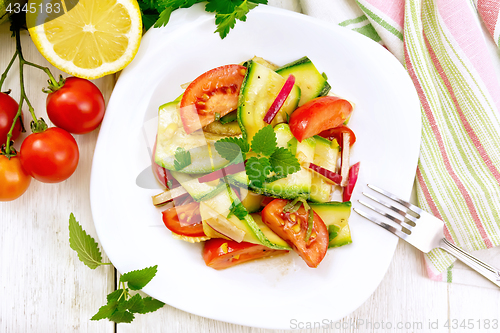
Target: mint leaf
point(105, 311)
point(134, 304)
point(151, 305)
point(182, 158)
point(86, 247)
point(284, 162)
point(264, 141)
point(257, 170)
point(237, 209)
point(231, 147)
point(115, 295)
point(136, 280)
point(122, 317)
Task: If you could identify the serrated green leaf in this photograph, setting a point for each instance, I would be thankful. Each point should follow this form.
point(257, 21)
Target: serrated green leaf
point(136, 280)
point(151, 305)
point(230, 148)
point(134, 304)
point(122, 317)
point(86, 247)
point(283, 162)
point(257, 170)
point(163, 17)
point(115, 295)
point(105, 311)
point(182, 158)
point(264, 141)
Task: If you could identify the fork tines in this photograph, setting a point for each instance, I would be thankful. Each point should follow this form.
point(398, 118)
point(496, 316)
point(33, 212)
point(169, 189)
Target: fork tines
point(403, 218)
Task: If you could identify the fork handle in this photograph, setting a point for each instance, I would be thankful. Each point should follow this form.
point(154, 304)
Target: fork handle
point(479, 266)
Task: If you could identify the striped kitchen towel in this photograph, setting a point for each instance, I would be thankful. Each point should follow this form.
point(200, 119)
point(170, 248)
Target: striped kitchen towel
point(450, 50)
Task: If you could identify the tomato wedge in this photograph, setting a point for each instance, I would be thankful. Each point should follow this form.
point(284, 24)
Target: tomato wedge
point(318, 115)
point(215, 91)
point(220, 253)
point(184, 220)
point(337, 133)
point(292, 227)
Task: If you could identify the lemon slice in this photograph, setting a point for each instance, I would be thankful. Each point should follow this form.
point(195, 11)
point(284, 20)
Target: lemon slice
point(90, 40)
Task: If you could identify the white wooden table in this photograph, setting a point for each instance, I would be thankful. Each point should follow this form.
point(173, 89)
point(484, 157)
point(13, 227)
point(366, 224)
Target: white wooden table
point(45, 288)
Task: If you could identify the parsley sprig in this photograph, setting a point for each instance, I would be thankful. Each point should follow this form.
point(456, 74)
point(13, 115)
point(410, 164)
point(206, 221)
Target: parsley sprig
point(121, 305)
point(157, 12)
point(270, 163)
point(182, 158)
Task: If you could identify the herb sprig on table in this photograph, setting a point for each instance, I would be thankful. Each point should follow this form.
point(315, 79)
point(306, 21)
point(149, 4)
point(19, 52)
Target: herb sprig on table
point(121, 306)
point(157, 12)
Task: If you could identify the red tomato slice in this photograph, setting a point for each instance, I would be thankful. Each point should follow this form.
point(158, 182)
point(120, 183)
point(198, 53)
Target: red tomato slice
point(184, 220)
point(215, 91)
point(337, 133)
point(292, 227)
point(220, 253)
point(318, 115)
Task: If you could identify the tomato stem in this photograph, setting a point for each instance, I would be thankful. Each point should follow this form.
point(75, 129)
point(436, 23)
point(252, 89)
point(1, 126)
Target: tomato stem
point(4, 74)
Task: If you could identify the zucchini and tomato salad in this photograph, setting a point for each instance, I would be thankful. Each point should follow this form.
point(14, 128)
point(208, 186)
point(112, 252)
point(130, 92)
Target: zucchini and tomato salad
point(252, 156)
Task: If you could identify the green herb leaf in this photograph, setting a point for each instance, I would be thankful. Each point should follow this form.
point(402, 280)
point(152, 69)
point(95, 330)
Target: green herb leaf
point(151, 305)
point(264, 141)
point(257, 170)
point(134, 304)
point(122, 317)
point(332, 232)
point(86, 247)
point(136, 280)
point(230, 148)
point(182, 158)
point(283, 162)
point(163, 17)
point(115, 295)
point(237, 209)
point(105, 311)
point(310, 222)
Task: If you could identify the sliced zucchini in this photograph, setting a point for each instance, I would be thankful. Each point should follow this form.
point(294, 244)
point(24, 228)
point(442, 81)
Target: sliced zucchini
point(199, 191)
point(229, 118)
point(310, 81)
point(171, 135)
point(258, 91)
point(273, 238)
point(326, 155)
point(337, 214)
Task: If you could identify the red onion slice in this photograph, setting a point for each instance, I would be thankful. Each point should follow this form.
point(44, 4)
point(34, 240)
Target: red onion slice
point(280, 99)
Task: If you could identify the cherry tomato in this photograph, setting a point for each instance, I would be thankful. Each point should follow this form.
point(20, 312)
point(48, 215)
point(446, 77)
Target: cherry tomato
point(318, 115)
point(220, 253)
point(8, 110)
point(77, 107)
point(14, 180)
point(215, 91)
point(184, 220)
point(50, 156)
point(337, 133)
point(292, 227)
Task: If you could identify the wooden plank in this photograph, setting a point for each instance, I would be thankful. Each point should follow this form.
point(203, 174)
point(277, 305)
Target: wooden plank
point(44, 287)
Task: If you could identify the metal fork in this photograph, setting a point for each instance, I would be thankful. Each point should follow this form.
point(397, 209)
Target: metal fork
point(422, 230)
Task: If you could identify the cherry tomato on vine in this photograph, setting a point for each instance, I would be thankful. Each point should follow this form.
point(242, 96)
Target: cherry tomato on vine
point(50, 156)
point(8, 110)
point(14, 180)
point(77, 107)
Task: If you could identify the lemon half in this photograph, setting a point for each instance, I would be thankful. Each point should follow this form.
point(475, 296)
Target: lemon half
point(91, 40)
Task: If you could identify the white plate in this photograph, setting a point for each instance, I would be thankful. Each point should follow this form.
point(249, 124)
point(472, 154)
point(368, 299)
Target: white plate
point(281, 292)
